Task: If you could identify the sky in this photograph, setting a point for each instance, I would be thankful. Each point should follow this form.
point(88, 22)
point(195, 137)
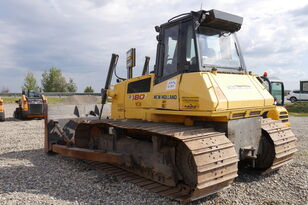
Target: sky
point(79, 36)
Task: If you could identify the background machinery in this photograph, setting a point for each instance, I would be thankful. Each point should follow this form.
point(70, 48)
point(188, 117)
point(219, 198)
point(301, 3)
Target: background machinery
point(276, 88)
point(185, 126)
point(30, 106)
point(299, 95)
point(2, 114)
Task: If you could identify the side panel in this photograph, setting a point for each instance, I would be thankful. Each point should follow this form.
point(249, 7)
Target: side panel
point(197, 93)
point(217, 92)
point(138, 96)
point(223, 95)
point(242, 91)
point(165, 95)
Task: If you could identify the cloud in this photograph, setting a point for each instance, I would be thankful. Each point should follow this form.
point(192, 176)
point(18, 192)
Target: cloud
point(79, 36)
point(301, 11)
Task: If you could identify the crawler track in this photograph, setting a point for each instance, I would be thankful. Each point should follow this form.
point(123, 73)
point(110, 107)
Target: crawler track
point(163, 190)
point(203, 161)
point(212, 156)
point(283, 142)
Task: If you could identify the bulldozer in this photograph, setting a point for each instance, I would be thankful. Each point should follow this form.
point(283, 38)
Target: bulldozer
point(30, 106)
point(182, 129)
point(2, 114)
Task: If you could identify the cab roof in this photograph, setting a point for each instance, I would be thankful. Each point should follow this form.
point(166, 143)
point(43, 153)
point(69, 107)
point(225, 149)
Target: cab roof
point(212, 18)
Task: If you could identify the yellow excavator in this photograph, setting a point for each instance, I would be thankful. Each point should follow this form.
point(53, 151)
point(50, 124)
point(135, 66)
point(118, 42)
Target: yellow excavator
point(2, 114)
point(181, 130)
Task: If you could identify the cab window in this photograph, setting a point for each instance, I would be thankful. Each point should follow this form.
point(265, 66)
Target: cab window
point(170, 57)
point(191, 58)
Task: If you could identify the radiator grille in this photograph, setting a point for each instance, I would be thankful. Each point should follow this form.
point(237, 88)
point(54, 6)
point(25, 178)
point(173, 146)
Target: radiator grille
point(283, 116)
point(36, 109)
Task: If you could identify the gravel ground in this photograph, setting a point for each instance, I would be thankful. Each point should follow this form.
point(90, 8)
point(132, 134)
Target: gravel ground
point(29, 176)
point(9, 110)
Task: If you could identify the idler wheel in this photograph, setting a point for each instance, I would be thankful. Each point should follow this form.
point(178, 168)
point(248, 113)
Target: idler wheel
point(266, 153)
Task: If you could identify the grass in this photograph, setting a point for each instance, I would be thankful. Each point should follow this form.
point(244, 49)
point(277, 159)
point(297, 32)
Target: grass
point(11, 100)
point(298, 108)
point(54, 100)
point(298, 114)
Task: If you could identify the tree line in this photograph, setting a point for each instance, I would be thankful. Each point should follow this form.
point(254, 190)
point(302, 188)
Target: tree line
point(52, 81)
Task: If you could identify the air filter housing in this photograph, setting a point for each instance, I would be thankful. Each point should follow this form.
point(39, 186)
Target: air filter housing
point(223, 21)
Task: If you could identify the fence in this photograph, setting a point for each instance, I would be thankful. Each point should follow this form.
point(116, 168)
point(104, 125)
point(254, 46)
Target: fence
point(58, 94)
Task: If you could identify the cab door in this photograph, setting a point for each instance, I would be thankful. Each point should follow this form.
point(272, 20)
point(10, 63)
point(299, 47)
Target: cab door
point(277, 91)
point(165, 93)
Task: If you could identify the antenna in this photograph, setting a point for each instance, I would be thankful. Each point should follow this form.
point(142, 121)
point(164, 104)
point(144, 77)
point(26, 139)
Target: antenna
point(201, 6)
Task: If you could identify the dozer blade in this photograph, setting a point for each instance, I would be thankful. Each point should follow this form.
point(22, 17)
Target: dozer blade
point(61, 122)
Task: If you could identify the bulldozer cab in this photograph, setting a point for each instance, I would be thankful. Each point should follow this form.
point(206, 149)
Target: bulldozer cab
point(198, 41)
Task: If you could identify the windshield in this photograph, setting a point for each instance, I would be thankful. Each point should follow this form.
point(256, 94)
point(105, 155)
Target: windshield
point(218, 49)
point(33, 94)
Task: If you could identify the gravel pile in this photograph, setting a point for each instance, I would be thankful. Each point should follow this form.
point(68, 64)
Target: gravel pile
point(79, 99)
point(29, 176)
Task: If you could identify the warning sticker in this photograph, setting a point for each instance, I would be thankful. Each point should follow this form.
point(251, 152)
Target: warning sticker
point(191, 103)
point(171, 85)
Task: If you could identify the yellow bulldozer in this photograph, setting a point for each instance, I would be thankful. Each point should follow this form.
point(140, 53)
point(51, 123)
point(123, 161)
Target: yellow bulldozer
point(181, 130)
point(2, 114)
point(30, 106)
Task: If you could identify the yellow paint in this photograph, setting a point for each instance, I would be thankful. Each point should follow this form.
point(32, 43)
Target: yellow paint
point(279, 113)
point(118, 100)
point(166, 98)
point(206, 96)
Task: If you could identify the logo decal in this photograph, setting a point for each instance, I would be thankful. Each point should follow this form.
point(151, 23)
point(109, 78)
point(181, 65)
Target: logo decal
point(137, 97)
point(165, 97)
point(239, 87)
